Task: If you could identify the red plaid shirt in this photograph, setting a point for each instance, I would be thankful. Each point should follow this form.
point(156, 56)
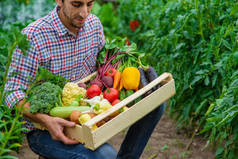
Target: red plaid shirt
point(54, 47)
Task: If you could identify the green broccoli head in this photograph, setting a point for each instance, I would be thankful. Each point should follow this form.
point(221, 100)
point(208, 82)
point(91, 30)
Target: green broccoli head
point(44, 97)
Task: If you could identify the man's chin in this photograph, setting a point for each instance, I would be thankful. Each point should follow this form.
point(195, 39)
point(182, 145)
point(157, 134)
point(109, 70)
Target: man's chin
point(78, 26)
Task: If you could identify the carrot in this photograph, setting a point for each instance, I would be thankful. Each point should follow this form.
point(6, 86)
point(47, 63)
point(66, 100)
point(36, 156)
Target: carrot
point(117, 78)
point(120, 85)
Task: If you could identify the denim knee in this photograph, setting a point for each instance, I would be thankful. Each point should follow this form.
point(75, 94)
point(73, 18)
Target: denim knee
point(106, 151)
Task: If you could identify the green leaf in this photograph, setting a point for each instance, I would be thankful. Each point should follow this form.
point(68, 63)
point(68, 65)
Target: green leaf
point(209, 110)
point(234, 10)
point(8, 157)
point(207, 81)
point(196, 79)
point(199, 108)
point(165, 147)
point(202, 72)
point(219, 151)
point(14, 145)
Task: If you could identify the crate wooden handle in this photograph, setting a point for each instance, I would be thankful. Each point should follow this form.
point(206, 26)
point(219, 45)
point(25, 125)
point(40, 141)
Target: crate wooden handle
point(160, 79)
point(86, 79)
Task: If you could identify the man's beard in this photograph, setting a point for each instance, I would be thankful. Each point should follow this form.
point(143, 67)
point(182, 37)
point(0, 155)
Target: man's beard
point(70, 20)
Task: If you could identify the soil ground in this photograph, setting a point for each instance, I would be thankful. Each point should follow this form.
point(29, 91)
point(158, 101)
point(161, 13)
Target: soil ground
point(166, 142)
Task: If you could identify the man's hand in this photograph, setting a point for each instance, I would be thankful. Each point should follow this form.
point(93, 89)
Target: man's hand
point(56, 126)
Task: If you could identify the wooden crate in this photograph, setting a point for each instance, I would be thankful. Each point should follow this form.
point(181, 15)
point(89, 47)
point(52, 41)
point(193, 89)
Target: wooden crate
point(94, 138)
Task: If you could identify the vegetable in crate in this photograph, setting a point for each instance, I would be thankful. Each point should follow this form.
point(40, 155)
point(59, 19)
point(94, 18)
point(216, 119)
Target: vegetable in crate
point(107, 81)
point(131, 78)
point(116, 101)
point(64, 112)
point(143, 81)
point(83, 85)
point(111, 94)
point(71, 91)
point(151, 75)
point(74, 116)
point(102, 106)
point(111, 72)
point(93, 90)
point(44, 97)
point(97, 82)
point(84, 118)
point(116, 80)
point(129, 93)
point(78, 101)
point(122, 94)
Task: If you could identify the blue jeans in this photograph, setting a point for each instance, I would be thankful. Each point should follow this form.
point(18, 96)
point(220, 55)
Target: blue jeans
point(132, 147)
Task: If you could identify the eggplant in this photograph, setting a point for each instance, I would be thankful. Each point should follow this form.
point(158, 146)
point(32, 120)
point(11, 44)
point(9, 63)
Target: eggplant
point(151, 75)
point(143, 81)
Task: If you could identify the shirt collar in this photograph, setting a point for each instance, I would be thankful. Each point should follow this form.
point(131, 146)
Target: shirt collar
point(59, 26)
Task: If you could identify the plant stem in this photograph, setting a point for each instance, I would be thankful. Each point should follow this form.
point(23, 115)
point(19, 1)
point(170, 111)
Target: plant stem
point(199, 19)
point(6, 71)
point(8, 135)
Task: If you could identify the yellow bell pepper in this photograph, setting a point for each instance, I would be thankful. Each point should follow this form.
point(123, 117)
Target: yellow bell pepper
point(131, 78)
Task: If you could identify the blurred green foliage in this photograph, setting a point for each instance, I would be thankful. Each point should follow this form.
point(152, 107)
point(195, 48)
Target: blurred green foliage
point(197, 42)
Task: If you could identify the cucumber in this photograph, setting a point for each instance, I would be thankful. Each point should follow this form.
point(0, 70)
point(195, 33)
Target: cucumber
point(64, 112)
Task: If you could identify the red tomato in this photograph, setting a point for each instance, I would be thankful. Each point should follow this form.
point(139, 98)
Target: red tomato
point(111, 72)
point(93, 90)
point(111, 94)
point(128, 41)
point(116, 101)
point(134, 24)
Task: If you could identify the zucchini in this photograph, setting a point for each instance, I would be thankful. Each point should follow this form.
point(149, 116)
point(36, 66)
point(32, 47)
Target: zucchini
point(64, 112)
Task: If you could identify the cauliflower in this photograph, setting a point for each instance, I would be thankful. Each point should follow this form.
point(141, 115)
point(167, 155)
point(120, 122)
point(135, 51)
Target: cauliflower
point(71, 91)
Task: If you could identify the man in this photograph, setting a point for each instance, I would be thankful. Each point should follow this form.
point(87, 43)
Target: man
point(67, 42)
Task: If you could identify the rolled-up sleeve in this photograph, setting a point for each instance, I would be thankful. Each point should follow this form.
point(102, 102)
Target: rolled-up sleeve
point(22, 72)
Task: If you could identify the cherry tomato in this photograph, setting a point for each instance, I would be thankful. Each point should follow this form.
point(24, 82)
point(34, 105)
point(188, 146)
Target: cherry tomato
point(116, 101)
